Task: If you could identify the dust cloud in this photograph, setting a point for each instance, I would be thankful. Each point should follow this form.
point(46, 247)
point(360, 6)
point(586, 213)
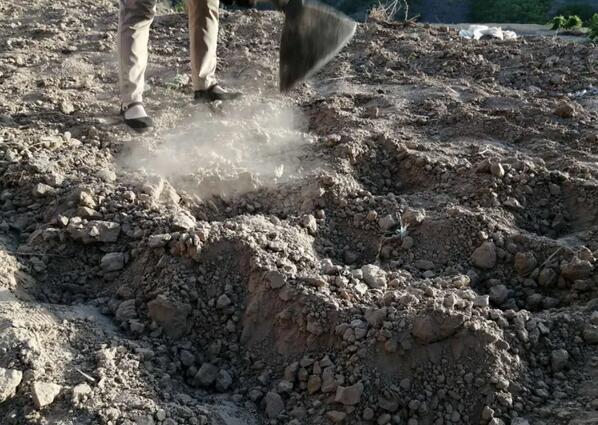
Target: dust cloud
point(229, 149)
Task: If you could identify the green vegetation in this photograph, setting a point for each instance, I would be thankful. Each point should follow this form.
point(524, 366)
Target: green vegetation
point(514, 11)
point(584, 11)
point(593, 26)
point(568, 23)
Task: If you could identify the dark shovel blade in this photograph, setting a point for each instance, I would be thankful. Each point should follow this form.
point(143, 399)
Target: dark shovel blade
point(311, 36)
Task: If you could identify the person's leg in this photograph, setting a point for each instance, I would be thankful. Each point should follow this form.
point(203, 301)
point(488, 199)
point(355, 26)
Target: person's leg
point(135, 19)
point(203, 37)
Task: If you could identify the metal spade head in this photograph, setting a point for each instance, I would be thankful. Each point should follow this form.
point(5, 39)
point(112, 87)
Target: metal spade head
point(311, 36)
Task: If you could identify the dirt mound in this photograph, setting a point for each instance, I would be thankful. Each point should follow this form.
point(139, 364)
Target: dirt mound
point(408, 239)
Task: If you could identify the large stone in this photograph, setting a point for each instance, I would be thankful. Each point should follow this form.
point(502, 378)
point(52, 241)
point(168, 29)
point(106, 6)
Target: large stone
point(80, 392)
point(374, 276)
point(547, 277)
point(44, 393)
point(428, 328)
point(113, 261)
point(349, 396)
point(9, 381)
point(484, 256)
point(206, 375)
point(275, 279)
point(93, 231)
point(274, 404)
point(183, 221)
point(170, 316)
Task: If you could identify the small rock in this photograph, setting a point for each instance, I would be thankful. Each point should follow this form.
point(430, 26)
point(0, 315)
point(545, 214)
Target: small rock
point(349, 396)
point(275, 279)
point(274, 404)
point(158, 241)
point(309, 222)
point(412, 216)
point(564, 109)
point(497, 169)
point(223, 301)
point(335, 416)
point(559, 359)
point(206, 375)
point(80, 392)
point(314, 383)
point(577, 269)
point(113, 261)
point(484, 256)
point(184, 222)
point(374, 276)
point(44, 393)
point(499, 294)
point(487, 413)
point(9, 381)
point(126, 310)
point(223, 381)
point(66, 107)
point(41, 189)
point(424, 264)
point(524, 263)
point(590, 334)
point(481, 301)
point(547, 277)
point(170, 316)
point(387, 222)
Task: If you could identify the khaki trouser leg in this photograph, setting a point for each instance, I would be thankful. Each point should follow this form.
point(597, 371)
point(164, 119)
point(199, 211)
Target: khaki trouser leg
point(203, 35)
point(134, 23)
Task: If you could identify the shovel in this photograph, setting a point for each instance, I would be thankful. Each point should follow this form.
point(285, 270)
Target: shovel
point(312, 35)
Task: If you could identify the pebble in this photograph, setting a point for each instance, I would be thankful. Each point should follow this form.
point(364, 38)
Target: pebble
point(590, 334)
point(499, 294)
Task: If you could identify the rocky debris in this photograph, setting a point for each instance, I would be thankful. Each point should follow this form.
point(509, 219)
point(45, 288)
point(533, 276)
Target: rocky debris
point(93, 231)
point(9, 381)
point(44, 393)
point(416, 266)
point(484, 256)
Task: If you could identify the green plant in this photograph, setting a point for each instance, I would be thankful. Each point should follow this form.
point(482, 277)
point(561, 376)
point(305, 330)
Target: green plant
point(178, 5)
point(514, 11)
point(584, 11)
point(573, 22)
point(593, 27)
point(558, 22)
